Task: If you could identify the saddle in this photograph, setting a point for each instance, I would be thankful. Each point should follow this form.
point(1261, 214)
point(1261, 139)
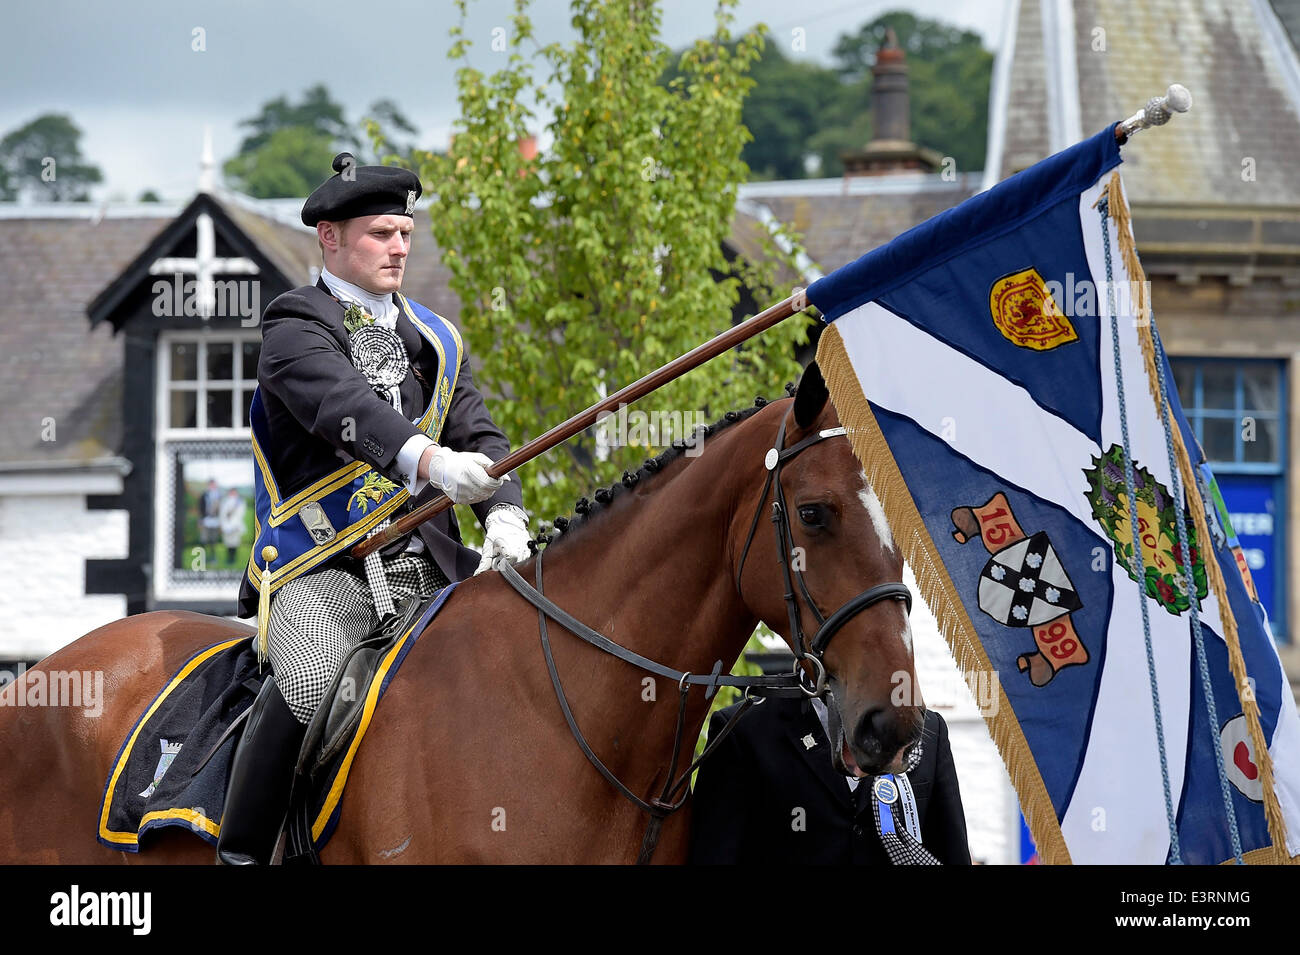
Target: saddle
point(196, 722)
point(339, 715)
point(336, 724)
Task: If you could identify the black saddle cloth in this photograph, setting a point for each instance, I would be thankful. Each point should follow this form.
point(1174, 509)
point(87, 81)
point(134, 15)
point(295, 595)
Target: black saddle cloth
point(174, 765)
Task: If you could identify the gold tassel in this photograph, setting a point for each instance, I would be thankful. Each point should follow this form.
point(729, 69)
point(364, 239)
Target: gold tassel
point(269, 554)
point(1119, 213)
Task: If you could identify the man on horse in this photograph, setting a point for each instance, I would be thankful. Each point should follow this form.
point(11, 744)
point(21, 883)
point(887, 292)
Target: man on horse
point(365, 401)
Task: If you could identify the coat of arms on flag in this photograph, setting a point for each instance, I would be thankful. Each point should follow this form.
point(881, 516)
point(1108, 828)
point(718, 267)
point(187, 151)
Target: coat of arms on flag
point(1024, 585)
point(1029, 447)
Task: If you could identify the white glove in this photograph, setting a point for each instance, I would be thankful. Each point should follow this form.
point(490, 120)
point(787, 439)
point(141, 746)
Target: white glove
point(506, 532)
point(462, 475)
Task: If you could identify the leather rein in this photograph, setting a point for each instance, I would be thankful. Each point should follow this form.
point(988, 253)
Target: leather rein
point(786, 685)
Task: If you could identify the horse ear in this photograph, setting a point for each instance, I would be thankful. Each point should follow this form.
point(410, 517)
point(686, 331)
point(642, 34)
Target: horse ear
point(810, 397)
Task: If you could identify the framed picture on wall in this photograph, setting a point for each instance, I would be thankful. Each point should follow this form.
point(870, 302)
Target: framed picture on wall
point(206, 526)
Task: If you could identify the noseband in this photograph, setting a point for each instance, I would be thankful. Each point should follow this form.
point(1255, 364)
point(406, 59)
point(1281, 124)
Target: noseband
point(777, 457)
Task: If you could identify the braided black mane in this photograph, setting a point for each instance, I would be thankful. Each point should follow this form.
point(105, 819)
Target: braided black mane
point(585, 508)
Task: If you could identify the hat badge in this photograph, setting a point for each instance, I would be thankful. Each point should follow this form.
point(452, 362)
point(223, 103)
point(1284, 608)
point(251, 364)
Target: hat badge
point(410, 201)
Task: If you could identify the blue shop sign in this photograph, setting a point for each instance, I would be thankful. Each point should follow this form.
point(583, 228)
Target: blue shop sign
point(1252, 501)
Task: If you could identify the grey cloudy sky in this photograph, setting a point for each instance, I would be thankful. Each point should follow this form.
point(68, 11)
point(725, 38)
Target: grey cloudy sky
point(127, 75)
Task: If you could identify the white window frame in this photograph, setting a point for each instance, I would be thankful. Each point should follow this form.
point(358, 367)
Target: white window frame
point(166, 438)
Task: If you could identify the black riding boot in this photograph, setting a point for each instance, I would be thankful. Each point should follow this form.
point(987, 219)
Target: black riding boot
point(260, 778)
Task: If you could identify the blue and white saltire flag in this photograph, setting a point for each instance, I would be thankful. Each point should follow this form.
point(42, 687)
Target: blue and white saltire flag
point(998, 372)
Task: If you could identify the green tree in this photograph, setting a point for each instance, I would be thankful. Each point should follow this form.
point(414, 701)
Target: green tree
point(797, 108)
point(316, 111)
point(783, 112)
point(384, 118)
point(290, 146)
point(290, 163)
point(42, 160)
point(590, 265)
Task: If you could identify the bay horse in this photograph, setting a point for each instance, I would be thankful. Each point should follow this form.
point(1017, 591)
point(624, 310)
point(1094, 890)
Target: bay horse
point(469, 758)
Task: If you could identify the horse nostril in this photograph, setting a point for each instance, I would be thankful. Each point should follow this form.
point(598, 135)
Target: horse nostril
point(873, 730)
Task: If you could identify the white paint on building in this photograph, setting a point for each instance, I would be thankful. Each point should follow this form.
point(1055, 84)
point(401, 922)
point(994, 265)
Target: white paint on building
point(45, 540)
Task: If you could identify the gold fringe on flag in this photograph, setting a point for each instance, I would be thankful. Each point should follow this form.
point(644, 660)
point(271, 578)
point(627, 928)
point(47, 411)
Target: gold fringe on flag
point(1119, 214)
point(937, 589)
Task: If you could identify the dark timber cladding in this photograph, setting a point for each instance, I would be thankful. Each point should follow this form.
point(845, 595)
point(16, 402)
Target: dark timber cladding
point(128, 306)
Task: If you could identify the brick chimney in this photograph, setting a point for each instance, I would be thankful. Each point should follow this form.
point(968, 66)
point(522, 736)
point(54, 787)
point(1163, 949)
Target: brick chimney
point(891, 149)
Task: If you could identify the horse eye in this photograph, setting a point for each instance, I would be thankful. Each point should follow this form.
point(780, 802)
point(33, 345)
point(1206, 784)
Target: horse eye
point(813, 515)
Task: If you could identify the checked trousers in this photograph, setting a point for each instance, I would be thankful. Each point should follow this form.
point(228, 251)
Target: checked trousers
point(317, 618)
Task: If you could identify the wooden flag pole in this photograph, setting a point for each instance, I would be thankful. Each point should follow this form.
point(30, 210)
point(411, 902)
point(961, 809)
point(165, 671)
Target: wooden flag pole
point(697, 356)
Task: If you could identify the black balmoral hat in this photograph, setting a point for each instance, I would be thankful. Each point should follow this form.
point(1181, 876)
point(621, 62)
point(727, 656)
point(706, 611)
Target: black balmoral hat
point(361, 191)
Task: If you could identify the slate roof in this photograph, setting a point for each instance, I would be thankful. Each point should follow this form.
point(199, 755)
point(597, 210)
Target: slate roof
point(1025, 99)
point(1238, 66)
point(839, 220)
point(57, 258)
point(54, 365)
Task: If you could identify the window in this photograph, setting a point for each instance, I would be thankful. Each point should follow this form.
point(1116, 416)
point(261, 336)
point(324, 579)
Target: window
point(1236, 409)
point(203, 517)
point(209, 382)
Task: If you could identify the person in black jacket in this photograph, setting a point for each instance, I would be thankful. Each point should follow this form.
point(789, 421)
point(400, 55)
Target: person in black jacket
point(769, 794)
point(365, 407)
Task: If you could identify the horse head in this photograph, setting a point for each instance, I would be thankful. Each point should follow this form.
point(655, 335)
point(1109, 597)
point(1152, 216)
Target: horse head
point(849, 609)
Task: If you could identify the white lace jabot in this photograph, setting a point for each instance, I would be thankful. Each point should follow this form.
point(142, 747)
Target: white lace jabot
point(382, 306)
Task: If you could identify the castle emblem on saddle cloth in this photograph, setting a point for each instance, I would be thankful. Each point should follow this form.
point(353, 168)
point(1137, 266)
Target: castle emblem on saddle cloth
point(1163, 569)
point(169, 753)
point(1024, 585)
point(1026, 314)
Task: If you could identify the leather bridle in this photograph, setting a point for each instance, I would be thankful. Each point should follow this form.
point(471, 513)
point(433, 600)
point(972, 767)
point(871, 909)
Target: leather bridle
point(787, 685)
point(777, 457)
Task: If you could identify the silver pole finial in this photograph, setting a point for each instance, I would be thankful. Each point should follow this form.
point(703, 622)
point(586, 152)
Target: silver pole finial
point(1157, 111)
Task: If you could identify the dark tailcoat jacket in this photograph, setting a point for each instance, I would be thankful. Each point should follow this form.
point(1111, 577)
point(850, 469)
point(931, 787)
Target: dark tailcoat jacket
point(747, 792)
point(319, 414)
